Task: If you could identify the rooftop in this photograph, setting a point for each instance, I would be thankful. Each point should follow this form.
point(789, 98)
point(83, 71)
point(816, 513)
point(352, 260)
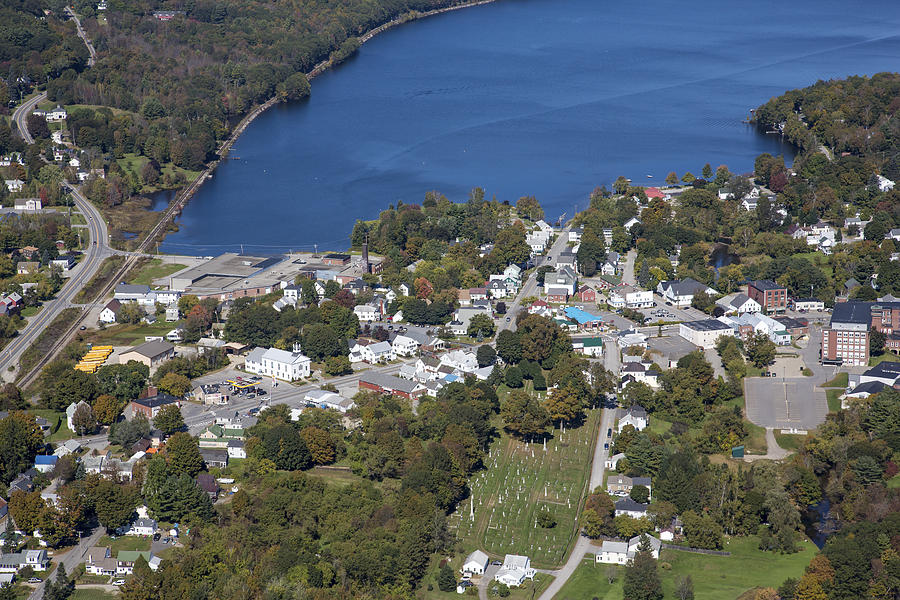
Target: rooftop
point(766, 284)
point(707, 325)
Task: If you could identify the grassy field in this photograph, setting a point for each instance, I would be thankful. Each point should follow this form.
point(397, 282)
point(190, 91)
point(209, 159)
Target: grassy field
point(520, 480)
point(47, 340)
point(884, 357)
point(91, 594)
point(30, 311)
point(789, 441)
point(78, 219)
point(894, 482)
point(154, 269)
point(839, 381)
point(128, 335)
point(125, 542)
point(833, 396)
point(714, 577)
point(134, 163)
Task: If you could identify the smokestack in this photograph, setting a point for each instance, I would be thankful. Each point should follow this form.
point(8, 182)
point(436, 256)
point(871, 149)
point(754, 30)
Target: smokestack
point(365, 255)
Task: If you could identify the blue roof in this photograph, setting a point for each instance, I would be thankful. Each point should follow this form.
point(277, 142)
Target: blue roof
point(581, 316)
point(45, 459)
point(450, 378)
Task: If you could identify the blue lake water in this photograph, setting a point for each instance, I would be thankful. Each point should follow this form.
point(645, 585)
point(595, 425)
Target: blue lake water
point(521, 97)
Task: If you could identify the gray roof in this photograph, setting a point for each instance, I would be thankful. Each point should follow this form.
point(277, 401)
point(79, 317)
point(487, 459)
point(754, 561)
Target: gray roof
point(389, 382)
point(629, 504)
point(153, 349)
point(766, 284)
point(685, 287)
point(128, 288)
point(707, 325)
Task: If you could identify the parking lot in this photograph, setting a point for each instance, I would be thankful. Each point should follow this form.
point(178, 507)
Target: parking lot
point(785, 403)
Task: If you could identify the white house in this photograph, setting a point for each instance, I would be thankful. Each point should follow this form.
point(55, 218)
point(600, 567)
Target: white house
point(459, 359)
point(739, 304)
point(143, 527)
point(613, 461)
point(635, 416)
point(109, 312)
point(372, 353)
point(630, 297)
point(14, 561)
point(809, 304)
point(14, 185)
point(704, 333)
point(619, 553)
point(476, 563)
point(366, 313)
point(405, 346)
point(281, 364)
point(627, 506)
point(329, 400)
point(57, 114)
point(884, 184)
point(631, 337)
point(681, 293)
point(27, 204)
point(70, 413)
point(631, 223)
point(515, 570)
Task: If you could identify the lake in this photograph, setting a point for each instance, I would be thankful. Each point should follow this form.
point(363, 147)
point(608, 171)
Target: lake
point(526, 97)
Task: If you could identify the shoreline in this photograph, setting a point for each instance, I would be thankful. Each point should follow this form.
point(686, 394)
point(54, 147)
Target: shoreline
point(158, 232)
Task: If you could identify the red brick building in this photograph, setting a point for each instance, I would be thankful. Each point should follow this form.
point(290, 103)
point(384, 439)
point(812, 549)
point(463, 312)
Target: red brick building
point(771, 296)
point(388, 384)
point(587, 294)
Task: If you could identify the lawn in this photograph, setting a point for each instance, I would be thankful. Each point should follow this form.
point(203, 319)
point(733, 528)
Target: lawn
point(154, 269)
point(520, 480)
point(133, 163)
point(894, 482)
point(59, 430)
point(756, 440)
point(91, 594)
point(883, 357)
point(714, 577)
point(833, 396)
point(789, 441)
point(839, 381)
point(129, 335)
point(30, 311)
point(125, 542)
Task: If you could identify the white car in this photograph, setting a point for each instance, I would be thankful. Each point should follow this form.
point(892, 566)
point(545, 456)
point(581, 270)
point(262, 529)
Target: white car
point(119, 582)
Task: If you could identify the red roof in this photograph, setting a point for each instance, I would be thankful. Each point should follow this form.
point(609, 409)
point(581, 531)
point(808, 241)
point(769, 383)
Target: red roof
point(539, 303)
point(653, 192)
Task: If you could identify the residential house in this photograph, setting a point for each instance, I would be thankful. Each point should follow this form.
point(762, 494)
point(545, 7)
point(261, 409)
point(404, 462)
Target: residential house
point(99, 561)
point(218, 436)
point(621, 485)
point(567, 258)
point(70, 413)
point(539, 307)
point(215, 457)
point(884, 184)
point(627, 506)
point(619, 553)
point(328, 401)
point(631, 223)
point(110, 311)
point(404, 346)
point(739, 304)
point(636, 416)
point(557, 295)
point(564, 278)
point(212, 393)
point(57, 114)
point(575, 234)
point(630, 297)
point(236, 449)
point(515, 570)
point(461, 318)
point(27, 267)
point(460, 360)
point(373, 353)
point(27, 204)
point(126, 558)
point(366, 313)
point(13, 562)
point(640, 372)
point(68, 447)
point(45, 462)
point(142, 526)
point(613, 461)
point(14, 185)
point(151, 354)
point(280, 364)
point(208, 484)
point(681, 292)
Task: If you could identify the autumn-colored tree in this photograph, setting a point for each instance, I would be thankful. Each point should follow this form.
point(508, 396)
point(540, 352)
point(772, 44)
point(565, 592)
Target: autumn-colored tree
point(810, 588)
point(175, 383)
point(423, 288)
point(320, 445)
point(107, 409)
point(564, 405)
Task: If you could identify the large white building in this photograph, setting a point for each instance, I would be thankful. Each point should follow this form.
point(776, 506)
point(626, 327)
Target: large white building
point(280, 364)
point(515, 570)
point(619, 553)
point(704, 333)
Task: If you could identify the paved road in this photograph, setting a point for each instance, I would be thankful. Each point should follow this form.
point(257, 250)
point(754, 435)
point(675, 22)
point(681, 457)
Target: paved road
point(530, 286)
point(93, 53)
point(628, 274)
point(20, 116)
point(94, 255)
point(71, 558)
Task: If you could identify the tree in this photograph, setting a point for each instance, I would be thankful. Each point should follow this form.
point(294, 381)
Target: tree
point(591, 251)
point(685, 588)
point(524, 416)
point(760, 350)
point(702, 531)
point(83, 420)
point(320, 445)
point(509, 347)
point(564, 405)
point(113, 503)
point(707, 172)
point(338, 365)
point(485, 355)
point(20, 440)
point(641, 577)
point(877, 339)
point(180, 497)
point(446, 579)
point(640, 493)
point(481, 325)
point(513, 377)
point(688, 177)
point(126, 433)
point(529, 207)
point(169, 418)
point(59, 389)
point(175, 384)
point(26, 509)
point(107, 409)
point(545, 519)
point(672, 178)
point(184, 454)
point(320, 341)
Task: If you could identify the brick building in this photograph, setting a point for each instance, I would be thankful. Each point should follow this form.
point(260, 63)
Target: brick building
point(846, 339)
point(770, 296)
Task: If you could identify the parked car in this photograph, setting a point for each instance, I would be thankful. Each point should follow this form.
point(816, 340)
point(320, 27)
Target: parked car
point(156, 537)
point(119, 582)
point(34, 580)
point(606, 446)
point(609, 432)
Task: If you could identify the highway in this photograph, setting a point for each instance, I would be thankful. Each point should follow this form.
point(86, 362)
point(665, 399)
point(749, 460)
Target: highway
point(96, 250)
point(20, 116)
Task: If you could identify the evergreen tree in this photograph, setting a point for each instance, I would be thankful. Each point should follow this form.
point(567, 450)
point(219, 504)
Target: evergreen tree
point(446, 579)
point(641, 577)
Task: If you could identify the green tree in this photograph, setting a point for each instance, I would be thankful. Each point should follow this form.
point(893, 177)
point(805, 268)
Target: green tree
point(446, 579)
point(513, 377)
point(641, 577)
point(169, 418)
point(564, 405)
point(524, 415)
point(175, 384)
point(485, 355)
point(640, 493)
point(126, 433)
point(481, 325)
point(760, 350)
point(20, 440)
point(509, 347)
point(337, 365)
point(672, 178)
point(107, 409)
point(707, 172)
point(184, 454)
point(877, 340)
point(113, 503)
point(179, 498)
point(83, 419)
point(320, 341)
